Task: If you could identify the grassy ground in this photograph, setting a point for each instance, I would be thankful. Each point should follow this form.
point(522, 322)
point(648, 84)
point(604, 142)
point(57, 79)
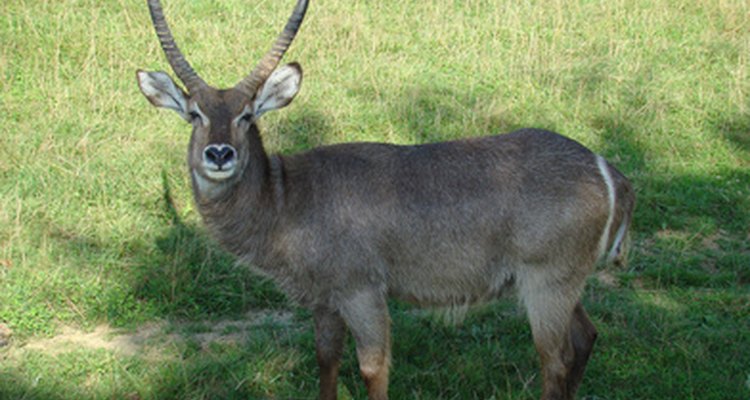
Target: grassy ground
point(97, 229)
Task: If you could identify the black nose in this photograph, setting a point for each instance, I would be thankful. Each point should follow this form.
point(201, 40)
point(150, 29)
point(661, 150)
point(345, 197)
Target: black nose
point(219, 154)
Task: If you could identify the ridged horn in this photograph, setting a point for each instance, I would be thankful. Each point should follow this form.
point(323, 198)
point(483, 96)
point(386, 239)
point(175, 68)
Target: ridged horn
point(179, 64)
point(269, 62)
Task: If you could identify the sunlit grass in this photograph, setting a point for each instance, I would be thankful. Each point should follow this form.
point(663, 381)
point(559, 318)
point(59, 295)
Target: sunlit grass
point(97, 224)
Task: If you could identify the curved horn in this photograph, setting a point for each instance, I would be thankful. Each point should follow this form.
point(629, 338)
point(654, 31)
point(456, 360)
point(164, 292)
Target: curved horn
point(179, 64)
point(269, 62)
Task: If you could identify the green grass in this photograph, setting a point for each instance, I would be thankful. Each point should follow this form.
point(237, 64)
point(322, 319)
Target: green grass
point(97, 225)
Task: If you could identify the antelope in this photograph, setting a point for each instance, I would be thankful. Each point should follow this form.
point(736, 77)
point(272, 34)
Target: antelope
point(341, 228)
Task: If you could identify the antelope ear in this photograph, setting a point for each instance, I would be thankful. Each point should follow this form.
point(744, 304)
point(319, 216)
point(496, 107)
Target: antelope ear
point(161, 91)
point(278, 90)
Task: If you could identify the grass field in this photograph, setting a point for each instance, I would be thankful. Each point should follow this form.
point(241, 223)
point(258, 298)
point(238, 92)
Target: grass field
point(112, 289)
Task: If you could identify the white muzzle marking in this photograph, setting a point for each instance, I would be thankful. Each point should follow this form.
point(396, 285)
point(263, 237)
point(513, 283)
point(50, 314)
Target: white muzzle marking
point(219, 161)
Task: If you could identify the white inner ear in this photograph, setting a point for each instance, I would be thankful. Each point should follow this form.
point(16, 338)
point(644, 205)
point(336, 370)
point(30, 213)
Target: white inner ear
point(161, 91)
point(278, 90)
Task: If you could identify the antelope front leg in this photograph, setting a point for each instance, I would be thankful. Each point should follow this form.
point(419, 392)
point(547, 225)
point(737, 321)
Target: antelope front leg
point(366, 314)
point(330, 331)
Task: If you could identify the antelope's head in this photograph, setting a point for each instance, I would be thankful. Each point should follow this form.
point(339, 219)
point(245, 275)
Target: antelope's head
point(225, 135)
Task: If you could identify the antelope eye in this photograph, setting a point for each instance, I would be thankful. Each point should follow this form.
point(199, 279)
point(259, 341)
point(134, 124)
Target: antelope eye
point(246, 117)
point(194, 115)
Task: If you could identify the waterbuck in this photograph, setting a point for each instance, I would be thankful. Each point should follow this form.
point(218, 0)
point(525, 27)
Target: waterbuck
point(341, 228)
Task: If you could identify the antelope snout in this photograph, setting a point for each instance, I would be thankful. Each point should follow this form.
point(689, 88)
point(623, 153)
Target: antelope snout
point(219, 160)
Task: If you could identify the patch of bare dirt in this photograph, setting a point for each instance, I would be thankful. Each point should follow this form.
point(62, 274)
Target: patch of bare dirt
point(5, 334)
point(138, 342)
point(711, 242)
point(607, 278)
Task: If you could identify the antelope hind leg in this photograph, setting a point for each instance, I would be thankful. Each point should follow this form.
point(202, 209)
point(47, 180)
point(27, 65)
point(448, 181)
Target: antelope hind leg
point(563, 335)
point(582, 336)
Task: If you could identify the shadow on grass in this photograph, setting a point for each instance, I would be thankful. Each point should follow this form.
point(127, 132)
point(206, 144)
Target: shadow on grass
point(432, 113)
point(692, 202)
point(690, 229)
point(190, 276)
point(15, 385)
point(180, 273)
point(300, 130)
point(736, 131)
point(676, 343)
